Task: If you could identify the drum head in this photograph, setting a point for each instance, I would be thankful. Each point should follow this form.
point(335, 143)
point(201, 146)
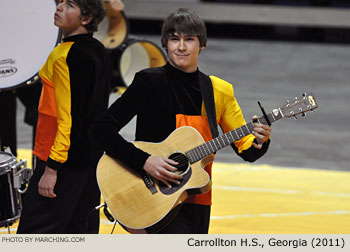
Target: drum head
point(113, 29)
point(137, 54)
point(28, 35)
point(5, 160)
point(5, 157)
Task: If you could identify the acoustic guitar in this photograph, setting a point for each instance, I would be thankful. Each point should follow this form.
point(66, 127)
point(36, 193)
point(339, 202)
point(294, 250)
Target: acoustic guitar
point(141, 204)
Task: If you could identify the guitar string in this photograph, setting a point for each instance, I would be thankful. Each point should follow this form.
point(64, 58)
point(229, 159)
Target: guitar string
point(205, 147)
point(199, 150)
point(184, 158)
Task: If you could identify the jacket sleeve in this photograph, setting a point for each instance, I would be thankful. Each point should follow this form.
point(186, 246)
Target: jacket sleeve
point(252, 154)
point(231, 117)
point(105, 132)
point(61, 145)
point(243, 147)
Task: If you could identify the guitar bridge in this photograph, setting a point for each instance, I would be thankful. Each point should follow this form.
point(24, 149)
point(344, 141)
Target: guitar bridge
point(149, 183)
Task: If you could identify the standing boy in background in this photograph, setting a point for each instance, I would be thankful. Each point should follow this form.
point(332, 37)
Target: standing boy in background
point(63, 190)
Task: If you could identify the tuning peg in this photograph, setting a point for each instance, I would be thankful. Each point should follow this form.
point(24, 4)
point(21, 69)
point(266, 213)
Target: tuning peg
point(313, 111)
point(304, 94)
point(295, 118)
point(303, 114)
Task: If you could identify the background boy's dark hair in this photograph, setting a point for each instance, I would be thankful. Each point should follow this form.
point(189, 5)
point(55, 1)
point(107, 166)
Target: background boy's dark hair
point(184, 21)
point(93, 9)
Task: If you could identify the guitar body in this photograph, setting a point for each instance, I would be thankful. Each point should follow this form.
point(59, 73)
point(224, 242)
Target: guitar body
point(132, 203)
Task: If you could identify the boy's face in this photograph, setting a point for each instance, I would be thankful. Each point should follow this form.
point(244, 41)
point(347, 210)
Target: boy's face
point(68, 18)
point(183, 51)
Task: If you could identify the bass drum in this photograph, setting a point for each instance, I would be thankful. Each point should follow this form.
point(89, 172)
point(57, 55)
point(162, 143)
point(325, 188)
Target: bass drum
point(28, 35)
point(132, 56)
point(128, 54)
point(114, 28)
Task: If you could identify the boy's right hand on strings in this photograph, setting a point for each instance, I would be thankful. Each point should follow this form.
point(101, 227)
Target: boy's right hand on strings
point(163, 169)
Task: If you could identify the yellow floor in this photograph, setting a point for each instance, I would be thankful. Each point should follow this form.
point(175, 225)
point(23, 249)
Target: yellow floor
point(260, 199)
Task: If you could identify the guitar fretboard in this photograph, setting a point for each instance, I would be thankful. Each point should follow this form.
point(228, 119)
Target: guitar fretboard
point(208, 148)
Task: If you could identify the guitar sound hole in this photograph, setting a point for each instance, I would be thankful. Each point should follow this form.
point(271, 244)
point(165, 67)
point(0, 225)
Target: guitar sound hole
point(183, 165)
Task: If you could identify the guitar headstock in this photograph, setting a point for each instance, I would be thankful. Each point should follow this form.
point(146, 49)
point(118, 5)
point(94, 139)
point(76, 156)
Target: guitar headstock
point(300, 105)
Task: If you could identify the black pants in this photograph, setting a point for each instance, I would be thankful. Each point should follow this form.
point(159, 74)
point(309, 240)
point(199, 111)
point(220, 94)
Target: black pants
point(8, 136)
point(191, 219)
point(71, 212)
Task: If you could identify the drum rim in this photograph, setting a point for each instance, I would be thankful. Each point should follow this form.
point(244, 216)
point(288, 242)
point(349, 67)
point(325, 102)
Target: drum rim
point(5, 163)
point(132, 39)
point(127, 28)
point(126, 35)
point(12, 219)
point(32, 80)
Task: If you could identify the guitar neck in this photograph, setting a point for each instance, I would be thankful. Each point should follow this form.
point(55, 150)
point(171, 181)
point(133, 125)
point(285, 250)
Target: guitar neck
point(208, 148)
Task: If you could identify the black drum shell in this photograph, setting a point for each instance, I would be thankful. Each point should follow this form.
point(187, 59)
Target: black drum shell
point(10, 207)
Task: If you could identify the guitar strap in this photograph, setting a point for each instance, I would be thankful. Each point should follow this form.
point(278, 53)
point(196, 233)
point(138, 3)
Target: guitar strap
point(209, 103)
